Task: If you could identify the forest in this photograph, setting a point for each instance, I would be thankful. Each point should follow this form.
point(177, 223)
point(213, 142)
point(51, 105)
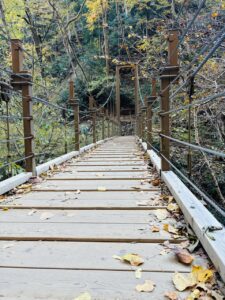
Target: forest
point(85, 40)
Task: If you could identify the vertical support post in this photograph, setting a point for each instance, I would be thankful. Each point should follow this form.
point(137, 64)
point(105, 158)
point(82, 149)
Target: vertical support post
point(118, 95)
point(75, 104)
point(151, 99)
point(108, 123)
point(22, 80)
point(17, 55)
point(136, 99)
point(93, 114)
point(103, 124)
point(168, 74)
point(28, 124)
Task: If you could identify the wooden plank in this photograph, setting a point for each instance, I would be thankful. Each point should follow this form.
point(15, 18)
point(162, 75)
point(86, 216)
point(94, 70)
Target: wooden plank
point(103, 175)
point(49, 255)
point(69, 284)
point(93, 185)
point(49, 230)
point(76, 216)
point(80, 163)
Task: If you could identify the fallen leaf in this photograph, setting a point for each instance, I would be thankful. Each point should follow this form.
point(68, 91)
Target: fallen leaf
point(138, 273)
point(101, 188)
point(201, 274)
point(173, 207)
point(33, 211)
point(133, 259)
point(46, 216)
point(25, 186)
point(194, 295)
point(136, 187)
point(5, 209)
point(168, 198)
point(77, 192)
point(161, 214)
point(155, 182)
point(184, 256)
point(84, 296)
point(155, 228)
point(148, 286)
point(171, 295)
point(169, 228)
point(182, 282)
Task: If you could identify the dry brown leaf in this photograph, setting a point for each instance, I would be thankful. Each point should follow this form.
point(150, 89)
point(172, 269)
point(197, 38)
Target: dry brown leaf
point(25, 186)
point(155, 228)
point(161, 214)
point(148, 286)
point(83, 296)
point(171, 295)
point(182, 281)
point(184, 256)
point(169, 228)
point(155, 182)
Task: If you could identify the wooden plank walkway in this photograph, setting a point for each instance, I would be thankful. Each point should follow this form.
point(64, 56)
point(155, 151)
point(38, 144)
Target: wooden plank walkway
point(58, 241)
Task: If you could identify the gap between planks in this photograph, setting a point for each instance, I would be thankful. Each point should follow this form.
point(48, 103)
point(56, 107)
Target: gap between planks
point(92, 240)
point(90, 269)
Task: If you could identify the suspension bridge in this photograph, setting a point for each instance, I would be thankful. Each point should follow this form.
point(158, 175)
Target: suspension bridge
point(106, 219)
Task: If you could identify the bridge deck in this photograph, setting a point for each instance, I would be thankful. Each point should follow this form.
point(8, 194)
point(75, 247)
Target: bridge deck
point(58, 240)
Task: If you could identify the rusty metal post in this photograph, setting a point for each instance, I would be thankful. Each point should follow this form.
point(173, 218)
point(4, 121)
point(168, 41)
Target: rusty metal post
point(103, 124)
point(136, 99)
point(75, 104)
point(93, 114)
point(168, 74)
point(17, 55)
point(22, 80)
point(150, 101)
point(118, 95)
point(108, 123)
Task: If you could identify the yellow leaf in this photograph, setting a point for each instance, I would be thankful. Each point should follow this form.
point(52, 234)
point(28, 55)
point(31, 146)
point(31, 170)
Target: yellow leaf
point(148, 286)
point(201, 274)
point(169, 228)
point(172, 207)
point(194, 295)
point(133, 259)
point(84, 296)
point(101, 188)
point(5, 209)
point(182, 282)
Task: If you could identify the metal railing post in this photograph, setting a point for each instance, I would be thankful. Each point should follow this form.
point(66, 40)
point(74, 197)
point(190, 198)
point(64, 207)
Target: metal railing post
point(22, 80)
point(150, 101)
point(168, 74)
point(75, 104)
